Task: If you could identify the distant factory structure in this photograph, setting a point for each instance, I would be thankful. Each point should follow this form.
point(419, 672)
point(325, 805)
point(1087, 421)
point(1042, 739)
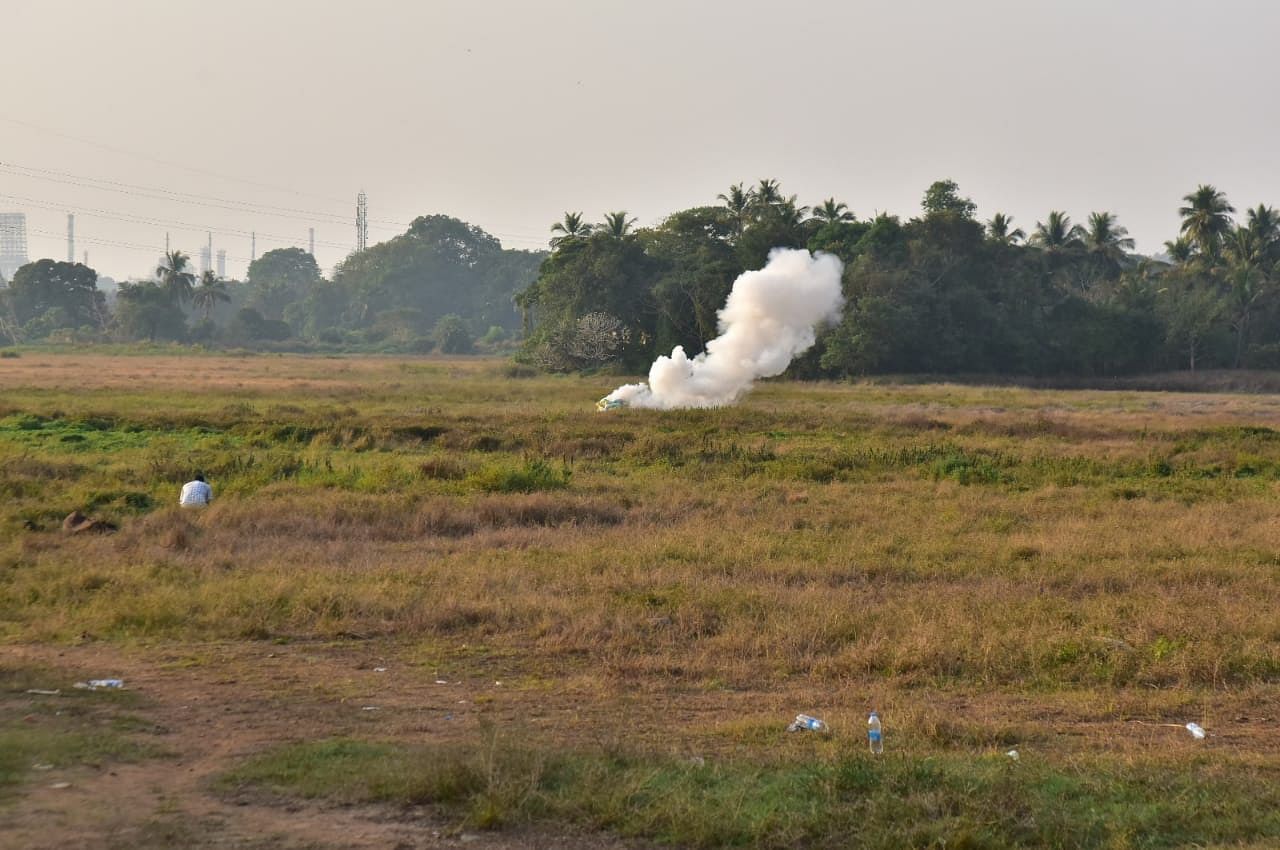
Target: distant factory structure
point(13, 243)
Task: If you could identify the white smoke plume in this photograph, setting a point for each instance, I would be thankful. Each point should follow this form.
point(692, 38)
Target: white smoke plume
point(768, 319)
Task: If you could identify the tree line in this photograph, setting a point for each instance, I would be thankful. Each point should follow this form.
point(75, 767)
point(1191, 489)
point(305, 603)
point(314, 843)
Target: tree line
point(939, 293)
point(442, 285)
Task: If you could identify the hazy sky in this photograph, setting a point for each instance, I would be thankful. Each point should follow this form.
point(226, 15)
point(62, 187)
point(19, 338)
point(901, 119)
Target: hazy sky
point(506, 114)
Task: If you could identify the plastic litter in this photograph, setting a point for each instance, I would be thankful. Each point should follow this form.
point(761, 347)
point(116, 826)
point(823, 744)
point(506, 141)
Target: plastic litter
point(441, 682)
point(807, 723)
point(368, 708)
point(95, 684)
point(60, 785)
point(1197, 731)
point(1013, 754)
point(43, 692)
point(875, 734)
point(379, 669)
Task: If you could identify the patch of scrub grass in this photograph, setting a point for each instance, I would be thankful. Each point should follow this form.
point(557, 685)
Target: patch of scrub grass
point(843, 798)
point(22, 748)
point(64, 730)
point(529, 477)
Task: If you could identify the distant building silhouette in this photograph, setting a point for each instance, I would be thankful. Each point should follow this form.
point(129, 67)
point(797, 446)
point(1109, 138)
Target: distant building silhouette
point(13, 243)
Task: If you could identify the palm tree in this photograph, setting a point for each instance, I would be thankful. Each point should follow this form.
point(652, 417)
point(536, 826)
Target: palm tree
point(210, 291)
point(1248, 281)
point(616, 224)
point(1057, 233)
point(1180, 250)
point(998, 230)
point(738, 201)
point(174, 277)
point(1206, 219)
point(789, 213)
point(767, 193)
point(1264, 224)
point(1243, 247)
point(832, 211)
point(573, 227)
point(1107, 238)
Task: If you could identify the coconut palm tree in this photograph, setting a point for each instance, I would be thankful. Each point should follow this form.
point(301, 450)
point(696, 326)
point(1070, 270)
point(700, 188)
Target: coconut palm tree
point(767, 193)
point(573, 227)
point(1057, 233)
point(616, 224)
point(998, 230)
point(1246, 275)
point(1105, 237)
point(210, 291)
point(1180, 250)
point(174, 277)
point(1264, 224)
point(1206, 219)
point(832, 211)
point(738, 201)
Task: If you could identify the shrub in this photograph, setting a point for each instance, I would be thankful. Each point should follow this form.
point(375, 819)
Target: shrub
point(451, 335)
point(530, 477)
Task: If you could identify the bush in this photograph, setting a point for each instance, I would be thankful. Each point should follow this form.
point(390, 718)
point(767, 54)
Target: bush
point(451, 335)
point(532, 476)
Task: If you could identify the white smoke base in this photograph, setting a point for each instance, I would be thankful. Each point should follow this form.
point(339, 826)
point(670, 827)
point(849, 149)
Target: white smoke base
point(769, 318)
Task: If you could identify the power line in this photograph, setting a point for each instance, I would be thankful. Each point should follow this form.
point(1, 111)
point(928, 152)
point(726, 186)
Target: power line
point(115, 215)
point(164, 162)
point(151, 194)
point(40, 173)
point(87, 181)
point(229, 205)
point(155, 250)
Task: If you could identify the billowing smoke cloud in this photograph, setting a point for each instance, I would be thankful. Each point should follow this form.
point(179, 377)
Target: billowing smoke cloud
point(769, 318)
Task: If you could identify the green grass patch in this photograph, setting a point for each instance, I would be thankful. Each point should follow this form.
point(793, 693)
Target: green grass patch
point(840, 797)
point(41, 735)
point(529, 477)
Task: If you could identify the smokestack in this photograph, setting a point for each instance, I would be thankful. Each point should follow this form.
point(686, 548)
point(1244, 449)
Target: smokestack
point(86, 258)
point(71, 237)
point(312, 241)
point(253, 246)
point(222, 263)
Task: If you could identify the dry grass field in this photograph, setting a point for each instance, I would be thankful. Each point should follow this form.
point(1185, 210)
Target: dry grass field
point(445, 601)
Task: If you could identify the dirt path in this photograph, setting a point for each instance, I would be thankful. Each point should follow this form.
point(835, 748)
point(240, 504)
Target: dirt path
point(211, 717)
point(212, 706)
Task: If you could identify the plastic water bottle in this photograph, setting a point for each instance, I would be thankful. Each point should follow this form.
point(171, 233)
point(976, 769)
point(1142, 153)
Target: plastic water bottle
point(874, 734)
point(805, 721)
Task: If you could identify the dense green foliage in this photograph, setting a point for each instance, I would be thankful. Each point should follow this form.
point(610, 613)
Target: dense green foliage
point(939, 293)
point(47, 295)
point(442, 284)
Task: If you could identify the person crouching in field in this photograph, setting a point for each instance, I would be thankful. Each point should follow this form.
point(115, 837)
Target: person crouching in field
point(195, 493)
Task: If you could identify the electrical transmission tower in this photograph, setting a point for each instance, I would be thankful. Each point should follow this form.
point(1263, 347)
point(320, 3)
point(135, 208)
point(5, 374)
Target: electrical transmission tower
point(362, 221)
